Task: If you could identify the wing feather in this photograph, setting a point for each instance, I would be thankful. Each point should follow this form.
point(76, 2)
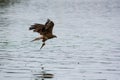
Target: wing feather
point(49, 28)
point(44, 29)
point(38, 28)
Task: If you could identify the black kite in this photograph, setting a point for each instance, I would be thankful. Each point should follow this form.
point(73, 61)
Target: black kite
point(45, 31)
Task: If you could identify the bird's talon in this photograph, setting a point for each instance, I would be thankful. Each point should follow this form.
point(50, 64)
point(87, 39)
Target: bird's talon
point(42, 45)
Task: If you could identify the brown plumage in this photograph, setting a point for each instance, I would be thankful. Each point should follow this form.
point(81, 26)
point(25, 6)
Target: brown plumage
point(45, 31)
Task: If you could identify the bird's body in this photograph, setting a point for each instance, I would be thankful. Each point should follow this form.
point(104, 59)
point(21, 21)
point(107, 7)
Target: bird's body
point(45, 30)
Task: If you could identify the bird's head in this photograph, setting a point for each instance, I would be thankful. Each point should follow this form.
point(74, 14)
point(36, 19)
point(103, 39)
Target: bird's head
point(54, 36)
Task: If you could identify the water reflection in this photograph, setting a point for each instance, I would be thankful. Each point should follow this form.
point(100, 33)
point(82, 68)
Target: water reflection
point(5, 3)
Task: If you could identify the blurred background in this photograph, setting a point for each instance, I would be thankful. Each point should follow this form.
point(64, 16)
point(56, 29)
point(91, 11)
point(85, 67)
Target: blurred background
point(87, 46)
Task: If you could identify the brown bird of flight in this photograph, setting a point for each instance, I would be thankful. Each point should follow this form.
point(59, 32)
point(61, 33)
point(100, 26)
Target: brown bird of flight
point(45, 31)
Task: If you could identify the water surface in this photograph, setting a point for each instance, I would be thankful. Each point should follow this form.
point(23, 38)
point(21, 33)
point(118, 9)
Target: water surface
point(87, 47)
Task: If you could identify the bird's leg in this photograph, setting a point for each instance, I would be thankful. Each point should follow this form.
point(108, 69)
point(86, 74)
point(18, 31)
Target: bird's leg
point(42, 45)
point(36, 39)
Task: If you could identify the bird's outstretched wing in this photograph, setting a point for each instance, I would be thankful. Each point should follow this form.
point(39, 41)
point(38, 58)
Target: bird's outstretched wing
point(38, 28)
point(43, 29)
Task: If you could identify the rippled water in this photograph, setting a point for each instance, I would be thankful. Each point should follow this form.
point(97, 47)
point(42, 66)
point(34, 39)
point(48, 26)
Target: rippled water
point(87, 47)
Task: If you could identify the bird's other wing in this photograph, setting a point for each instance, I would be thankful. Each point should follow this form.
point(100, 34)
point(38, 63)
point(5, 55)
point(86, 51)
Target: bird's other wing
point(49, 27)
point(48, 20)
